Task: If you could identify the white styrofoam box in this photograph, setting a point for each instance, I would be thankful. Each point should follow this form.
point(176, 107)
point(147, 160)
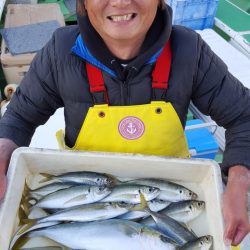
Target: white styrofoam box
point(200, 175)
point(14, 74)
point(15, 66)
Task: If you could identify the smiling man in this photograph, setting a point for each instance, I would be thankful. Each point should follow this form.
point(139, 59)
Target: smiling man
point(125, 77)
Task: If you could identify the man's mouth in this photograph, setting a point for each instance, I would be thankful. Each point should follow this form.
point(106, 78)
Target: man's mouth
point(121, 18)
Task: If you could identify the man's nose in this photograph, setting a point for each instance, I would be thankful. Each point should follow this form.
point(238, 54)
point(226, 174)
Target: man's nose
point(120, 3)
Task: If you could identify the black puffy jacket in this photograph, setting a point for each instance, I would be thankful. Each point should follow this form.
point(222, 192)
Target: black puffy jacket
point(57, 78)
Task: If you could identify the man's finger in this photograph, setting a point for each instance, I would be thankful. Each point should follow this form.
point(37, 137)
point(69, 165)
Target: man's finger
point(240, 235)
point(229, 233)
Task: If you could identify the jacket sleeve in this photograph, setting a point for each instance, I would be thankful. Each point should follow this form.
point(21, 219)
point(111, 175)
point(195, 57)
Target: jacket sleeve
point(219, 94)
point(35, 100)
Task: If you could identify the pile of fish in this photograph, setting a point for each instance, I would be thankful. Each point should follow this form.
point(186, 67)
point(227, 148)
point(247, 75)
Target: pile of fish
point(96, 211)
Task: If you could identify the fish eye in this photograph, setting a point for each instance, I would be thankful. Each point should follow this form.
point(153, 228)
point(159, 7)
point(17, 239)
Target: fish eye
point(98, 179)
point(190, 207)
point(180, 191)
point(201, 242)
point(89, 189)
point(199, 203)
point(150, 189)
point(190, 193)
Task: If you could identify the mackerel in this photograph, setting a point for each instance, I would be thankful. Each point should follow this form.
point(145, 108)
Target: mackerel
point(154, 205)
point(89, 212)
point(106, 235)
point(202, 243)
point(73, 196)
point(170, 191)
point(131, 193)
point(183, 211)
point(40, 192)
point(82, 177)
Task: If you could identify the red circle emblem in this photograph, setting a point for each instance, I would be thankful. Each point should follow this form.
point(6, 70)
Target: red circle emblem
point(131, 128)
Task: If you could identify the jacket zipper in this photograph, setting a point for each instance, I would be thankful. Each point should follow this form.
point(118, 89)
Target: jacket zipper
point(123, 85)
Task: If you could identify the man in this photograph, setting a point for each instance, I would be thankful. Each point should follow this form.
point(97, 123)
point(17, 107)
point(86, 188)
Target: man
point(138, 75)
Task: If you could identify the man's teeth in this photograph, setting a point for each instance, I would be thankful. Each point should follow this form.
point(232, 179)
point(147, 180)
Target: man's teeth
point(121, 18)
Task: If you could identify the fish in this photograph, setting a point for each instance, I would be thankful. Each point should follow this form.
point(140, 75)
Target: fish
point(40, 192)
point(202, 243)
point(43, 248)
point(82, 177)
point(182, 211)
point(154, 205)
point(88, 212)
point(169, 227)
point(131, 193)
point(17, 240)
point(105, 235)
point(73, 196)
point(170, 191)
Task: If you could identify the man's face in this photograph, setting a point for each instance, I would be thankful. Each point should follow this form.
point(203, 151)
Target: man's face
point(121, 20)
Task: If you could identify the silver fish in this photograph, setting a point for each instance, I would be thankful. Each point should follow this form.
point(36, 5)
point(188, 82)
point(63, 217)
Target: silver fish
point(40, 192)
point(89, 212)
point(73, 196)
point(202, 243)
point(131, 193)
point(182, 211)
point(83, 177)
point(172, 228)
point(106, 235)
point(154, 205)
point(170, 191)
point(43, 248)
point(27, 228)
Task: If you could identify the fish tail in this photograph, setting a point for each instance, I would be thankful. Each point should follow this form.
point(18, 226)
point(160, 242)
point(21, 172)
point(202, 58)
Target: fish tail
point(47, 177)
point(19, 243)
point(24, 208)
point(21, 214)
point(26, 188)
point(28, 224)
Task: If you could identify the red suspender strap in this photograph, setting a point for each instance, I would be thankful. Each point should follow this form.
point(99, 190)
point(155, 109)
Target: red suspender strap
point(96, 81)
point(161, 72)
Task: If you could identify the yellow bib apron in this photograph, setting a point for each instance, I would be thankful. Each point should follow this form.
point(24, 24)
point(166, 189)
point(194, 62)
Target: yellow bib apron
point(152, 129)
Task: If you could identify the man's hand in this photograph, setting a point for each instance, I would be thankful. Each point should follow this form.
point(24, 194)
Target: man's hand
point(235, 205)
point(6, 148)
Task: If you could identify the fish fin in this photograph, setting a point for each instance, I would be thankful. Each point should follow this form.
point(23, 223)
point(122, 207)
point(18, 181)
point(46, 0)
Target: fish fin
point(20, 243)
point(188, 228)
point(47, 177)
point(115, 180)
point(26, 188)
point(143, 205)
point(77, 198)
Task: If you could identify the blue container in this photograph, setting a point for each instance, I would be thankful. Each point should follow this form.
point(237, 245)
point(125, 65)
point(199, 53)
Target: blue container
point(201, 142)
point(194, 14)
